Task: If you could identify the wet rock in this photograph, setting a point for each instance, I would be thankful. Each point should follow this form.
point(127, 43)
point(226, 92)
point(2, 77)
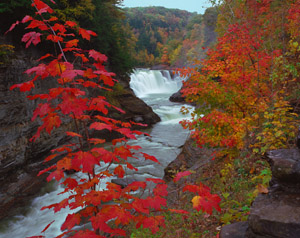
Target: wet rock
point(235, 230)
point(285, 165)
point(123, 182)
point(136, 110)
point(191, 157)
point(177, 97)
point(275, 215)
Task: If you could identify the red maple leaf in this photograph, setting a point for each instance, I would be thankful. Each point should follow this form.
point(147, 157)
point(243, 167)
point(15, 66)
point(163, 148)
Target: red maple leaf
point(71, 221)
point(50, 121)
point(72, 43)
point(46, 228)
point(24, 87)
point(70, 24)
point(62, 204)
point(107, 80)
point(119, 171)
point(12, 26)
point(155, 202)
point(150, 157)
point(54, 38)
point(129, 166)
point(103, 154)
point(41, 6)
point(73, 134)
point(57, 175)
point(89, 73)
point(46, 170)
point(39, 70)
point(41, 110)
point(59, 27)
point(86, 160)
point(71, 183)
point(26, 19)
point(161, 190)
point(97, 56)
point(181, 174)
point(134, 186)
point(207, 202)
point(72, 104)
point(99, 104)
point(37, 24)
point(153, 223)
point(31, 37)
point(101, 126)
point(86, 34)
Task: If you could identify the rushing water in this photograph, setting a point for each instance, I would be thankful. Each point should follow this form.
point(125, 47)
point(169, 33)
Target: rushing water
point(167, 136)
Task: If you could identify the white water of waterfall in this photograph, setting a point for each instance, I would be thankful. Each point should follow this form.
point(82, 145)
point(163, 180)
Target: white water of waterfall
point(166, 138)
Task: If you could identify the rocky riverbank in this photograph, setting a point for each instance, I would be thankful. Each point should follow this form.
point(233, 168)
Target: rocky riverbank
point(275, 213)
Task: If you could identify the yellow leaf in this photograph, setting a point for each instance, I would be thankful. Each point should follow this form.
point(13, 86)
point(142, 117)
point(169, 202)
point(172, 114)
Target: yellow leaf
point(262, 189)
point(196, 201)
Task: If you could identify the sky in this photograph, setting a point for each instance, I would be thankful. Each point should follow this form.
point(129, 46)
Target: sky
point(198, 6)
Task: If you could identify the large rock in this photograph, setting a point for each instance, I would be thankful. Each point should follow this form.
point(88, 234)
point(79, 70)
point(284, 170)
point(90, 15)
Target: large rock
point(235, 230)
point(276, 214)
point(136, 110)
point(190, 158)
point(285, 165)
point(177, 97)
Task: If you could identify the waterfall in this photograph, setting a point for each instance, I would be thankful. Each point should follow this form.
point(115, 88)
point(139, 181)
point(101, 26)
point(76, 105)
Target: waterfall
point(144, 82)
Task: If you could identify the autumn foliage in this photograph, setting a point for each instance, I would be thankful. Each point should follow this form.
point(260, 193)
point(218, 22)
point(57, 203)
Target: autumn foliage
point(245, 85)
point(80, 74)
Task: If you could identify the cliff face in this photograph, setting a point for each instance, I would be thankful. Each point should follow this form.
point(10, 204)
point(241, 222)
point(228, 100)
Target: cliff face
point(20, 160)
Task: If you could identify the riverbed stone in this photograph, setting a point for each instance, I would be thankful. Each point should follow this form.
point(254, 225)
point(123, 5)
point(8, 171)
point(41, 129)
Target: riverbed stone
point(177, 97)
point(275, 215)
point(235, 230)
point(123, 182)
point(285, 165)
point(136, 109)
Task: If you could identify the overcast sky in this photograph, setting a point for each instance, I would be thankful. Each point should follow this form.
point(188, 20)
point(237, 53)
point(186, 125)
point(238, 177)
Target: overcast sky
point(198, 6)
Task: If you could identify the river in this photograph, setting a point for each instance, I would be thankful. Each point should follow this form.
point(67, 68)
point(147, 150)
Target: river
point(154, 87)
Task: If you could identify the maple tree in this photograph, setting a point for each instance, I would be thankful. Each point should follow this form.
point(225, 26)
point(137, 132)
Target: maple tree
point(79, 74)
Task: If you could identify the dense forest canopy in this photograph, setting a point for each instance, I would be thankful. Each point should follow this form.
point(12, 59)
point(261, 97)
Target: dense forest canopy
point(170, 36)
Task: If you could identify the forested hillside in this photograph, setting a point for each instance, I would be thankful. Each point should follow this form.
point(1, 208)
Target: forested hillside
point(170, 36)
